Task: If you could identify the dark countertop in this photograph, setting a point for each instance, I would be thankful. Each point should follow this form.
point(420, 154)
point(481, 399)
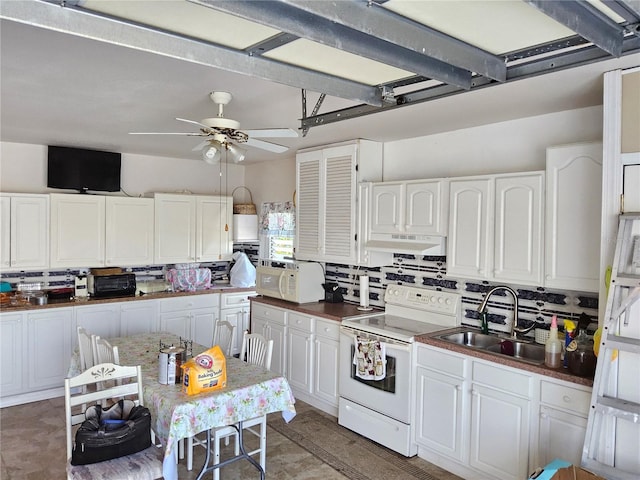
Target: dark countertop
point(560, 374)
point(98, 301)
point(331, 311)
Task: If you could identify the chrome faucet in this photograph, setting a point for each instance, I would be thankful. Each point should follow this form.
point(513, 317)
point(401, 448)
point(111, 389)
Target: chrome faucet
point(515, 329)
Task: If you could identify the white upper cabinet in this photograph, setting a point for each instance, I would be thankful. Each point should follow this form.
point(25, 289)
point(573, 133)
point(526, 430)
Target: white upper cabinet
point(214, 218)
point(327, 198)
point(129, 231)
point(412, 207)
point(495, 228)
point(193, 228)
point(24, 225)
point(175, 228)
point(573, 206)
point(77, 230)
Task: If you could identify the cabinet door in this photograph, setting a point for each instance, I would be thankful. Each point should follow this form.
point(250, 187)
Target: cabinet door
point(235, 316)
point(214, 236)
point(499, 423)
point(140, 316)
point(468, 253)
point(203, 322)
point(77, 230)
point(299, 359)
point(175, 228)
point(387, 209)
point(12, 365)
point(572, 229)
point(517, 253)
point(276, 333)
point(178, 323)
point(102, 320)
point(439, 414)
point(339, 217)
point(309, 206)
point(129, 231)
point(423, 212)
point(561, 435)
point(5, 232)
point(326, 357)
point(30, 231)
point(49, 347)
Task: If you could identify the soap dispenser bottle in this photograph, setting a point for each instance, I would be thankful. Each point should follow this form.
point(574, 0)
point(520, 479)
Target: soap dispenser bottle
point(553, 347)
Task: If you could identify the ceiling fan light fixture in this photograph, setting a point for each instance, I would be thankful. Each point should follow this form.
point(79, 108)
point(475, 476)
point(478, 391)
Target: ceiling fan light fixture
point(211, 153)
point(237, 153)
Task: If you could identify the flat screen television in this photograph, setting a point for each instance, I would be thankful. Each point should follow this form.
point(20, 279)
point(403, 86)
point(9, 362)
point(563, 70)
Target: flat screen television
point(83, 170)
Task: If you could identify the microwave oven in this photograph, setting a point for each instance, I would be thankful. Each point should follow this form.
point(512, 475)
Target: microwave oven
point(297, 282)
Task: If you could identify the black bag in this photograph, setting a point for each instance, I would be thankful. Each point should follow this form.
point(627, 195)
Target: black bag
point(122, 429)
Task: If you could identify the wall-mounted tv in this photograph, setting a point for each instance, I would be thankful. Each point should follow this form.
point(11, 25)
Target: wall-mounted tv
point(81, 169)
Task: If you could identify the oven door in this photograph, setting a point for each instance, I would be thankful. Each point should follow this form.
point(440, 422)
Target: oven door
point(390, 396)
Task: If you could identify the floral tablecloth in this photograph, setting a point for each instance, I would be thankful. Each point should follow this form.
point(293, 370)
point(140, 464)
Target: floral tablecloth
point(251, 392)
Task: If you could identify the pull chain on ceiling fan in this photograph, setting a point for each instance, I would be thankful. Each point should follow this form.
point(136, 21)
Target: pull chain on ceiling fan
point(225, 134)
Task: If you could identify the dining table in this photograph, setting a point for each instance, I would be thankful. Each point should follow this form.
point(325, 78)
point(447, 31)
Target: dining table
point(251, 391)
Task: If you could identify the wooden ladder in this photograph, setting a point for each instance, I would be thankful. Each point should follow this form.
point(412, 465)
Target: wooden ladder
point(612, 441)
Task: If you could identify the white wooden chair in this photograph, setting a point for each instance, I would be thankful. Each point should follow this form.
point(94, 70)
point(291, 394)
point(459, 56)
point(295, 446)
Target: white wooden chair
point(258, 351)
point(223, 336)
point(85, 349)
point(105, 352)
point(145, 465)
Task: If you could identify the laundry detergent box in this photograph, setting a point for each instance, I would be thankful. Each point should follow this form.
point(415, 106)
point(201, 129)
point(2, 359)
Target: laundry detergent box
point(562, 470)
point(205, 372)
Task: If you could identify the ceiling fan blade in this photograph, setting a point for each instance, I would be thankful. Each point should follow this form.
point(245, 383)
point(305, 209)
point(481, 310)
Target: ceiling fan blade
point(271, 147)
point(272, 133)
point(191, 134)
point(192, 122)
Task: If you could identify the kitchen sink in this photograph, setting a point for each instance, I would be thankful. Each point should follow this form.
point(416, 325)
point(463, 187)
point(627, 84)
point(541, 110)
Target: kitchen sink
point(526, 352)
point(471, 338)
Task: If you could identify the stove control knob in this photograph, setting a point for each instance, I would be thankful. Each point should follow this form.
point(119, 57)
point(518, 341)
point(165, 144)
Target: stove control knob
point(440, 300)
point(448, 301)
point(433, 299)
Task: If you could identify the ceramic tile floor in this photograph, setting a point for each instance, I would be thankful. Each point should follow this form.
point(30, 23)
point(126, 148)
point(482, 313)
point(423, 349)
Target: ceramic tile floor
point(32, 447)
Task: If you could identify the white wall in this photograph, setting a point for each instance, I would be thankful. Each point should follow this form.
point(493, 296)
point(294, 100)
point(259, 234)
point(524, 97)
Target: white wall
point(23, 168)
point(271, 181)
point(513, 146)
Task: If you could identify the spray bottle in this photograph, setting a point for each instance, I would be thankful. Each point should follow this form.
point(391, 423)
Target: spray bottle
point(553, 347)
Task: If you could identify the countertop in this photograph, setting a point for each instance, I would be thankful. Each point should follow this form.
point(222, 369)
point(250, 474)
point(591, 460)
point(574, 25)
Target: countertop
point(560, 374)
point(98, 301)
point(331, 311)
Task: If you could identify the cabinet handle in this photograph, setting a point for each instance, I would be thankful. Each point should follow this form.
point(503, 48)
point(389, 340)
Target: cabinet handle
point(548, 277)
point(543, 415)
point(566, 399)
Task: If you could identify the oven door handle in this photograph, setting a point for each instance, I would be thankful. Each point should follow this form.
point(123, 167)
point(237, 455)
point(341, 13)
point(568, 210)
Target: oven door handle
point(392, 343)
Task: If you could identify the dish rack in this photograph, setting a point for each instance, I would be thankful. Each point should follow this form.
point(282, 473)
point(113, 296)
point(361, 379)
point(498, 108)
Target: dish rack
point(542, 335)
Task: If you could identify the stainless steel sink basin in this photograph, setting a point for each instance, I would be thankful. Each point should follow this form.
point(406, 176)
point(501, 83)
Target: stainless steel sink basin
point(526, 352)
point(471, 338)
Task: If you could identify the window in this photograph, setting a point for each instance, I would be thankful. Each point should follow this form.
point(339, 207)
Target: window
point(277, 229)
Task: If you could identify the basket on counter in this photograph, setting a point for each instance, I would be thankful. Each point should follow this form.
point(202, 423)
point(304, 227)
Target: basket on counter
point(541, 335)
point(244, 208)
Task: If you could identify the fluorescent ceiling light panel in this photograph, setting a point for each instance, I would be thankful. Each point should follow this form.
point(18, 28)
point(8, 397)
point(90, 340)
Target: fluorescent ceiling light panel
point(314, 56)
point(496, 26)
point(187, 19)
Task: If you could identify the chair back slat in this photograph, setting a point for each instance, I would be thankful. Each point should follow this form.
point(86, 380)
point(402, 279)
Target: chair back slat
point(105, 352)
point(224, 334)
point(256, 349)
point(85, 349)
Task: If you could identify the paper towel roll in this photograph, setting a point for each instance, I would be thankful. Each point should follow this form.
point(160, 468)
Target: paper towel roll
point(364, 290)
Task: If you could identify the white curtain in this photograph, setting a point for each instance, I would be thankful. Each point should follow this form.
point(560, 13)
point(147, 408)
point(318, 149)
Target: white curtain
point(277, 229)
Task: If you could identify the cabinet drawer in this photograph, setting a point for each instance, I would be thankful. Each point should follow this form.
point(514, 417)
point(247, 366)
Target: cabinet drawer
point(189, 302)
point(299, 321)
point(268, 313)
point(440, 361)
point(328, 328)
point(501, 378)
point(228, 300)
point(565, 397)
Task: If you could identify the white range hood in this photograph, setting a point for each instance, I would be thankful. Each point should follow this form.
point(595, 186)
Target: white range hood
point(410, 244)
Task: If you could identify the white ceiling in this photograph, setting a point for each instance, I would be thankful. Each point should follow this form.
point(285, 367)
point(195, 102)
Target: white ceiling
point(63, 89)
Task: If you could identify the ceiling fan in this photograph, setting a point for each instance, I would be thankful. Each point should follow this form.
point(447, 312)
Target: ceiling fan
point(225, 134)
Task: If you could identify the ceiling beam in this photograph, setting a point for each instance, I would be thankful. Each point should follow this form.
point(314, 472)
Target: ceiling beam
point(540, 66)
point(86, 24)
point(372, 19)
point(290, 19)
point(586, 20)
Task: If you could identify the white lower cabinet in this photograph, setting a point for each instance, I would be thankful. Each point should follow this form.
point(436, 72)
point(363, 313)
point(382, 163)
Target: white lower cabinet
point(12, 348)
point(235, 308)
point(271, 322)
point(140, 316)
point(49, 347)
point(485, 421)
point(102, 319)
point(299, 352)
point(326, 354)
point(191, 317)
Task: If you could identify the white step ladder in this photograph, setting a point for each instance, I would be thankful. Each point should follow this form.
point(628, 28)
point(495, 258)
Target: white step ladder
point(612, 441)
